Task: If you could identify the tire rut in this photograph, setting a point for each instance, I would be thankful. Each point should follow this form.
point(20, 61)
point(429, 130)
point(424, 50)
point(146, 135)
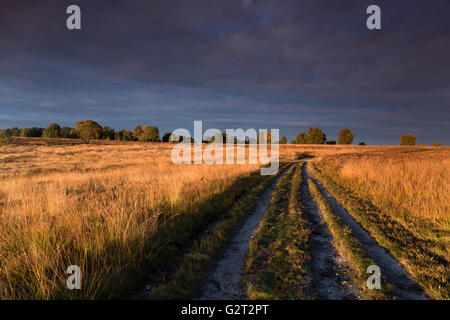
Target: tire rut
point(328, 269)
point(224, 281)
point(405, 286)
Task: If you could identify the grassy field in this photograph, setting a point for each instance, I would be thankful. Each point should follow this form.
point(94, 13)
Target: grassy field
point(108, 209)
point(122, 212)
point(401, 197)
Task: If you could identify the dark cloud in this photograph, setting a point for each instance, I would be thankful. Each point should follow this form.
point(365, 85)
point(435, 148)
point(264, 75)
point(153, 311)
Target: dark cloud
point(285, 64)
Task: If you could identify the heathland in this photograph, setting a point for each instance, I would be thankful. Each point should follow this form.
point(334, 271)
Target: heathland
point(125, 214)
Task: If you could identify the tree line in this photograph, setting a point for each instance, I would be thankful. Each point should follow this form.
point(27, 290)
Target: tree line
point(317, 136)
point(88, 130)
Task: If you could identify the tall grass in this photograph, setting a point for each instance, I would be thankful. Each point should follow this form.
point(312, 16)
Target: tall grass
point(105, 218)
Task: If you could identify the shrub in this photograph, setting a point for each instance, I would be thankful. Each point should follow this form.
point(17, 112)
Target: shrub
point(330, 142)
point(362, 144)
point(437, 144)
point(408, 140)
point(283, 140)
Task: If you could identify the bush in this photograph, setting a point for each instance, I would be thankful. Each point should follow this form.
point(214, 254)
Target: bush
point(437, 144)
point(408, 140)
point(362, 144)
point(283, 140)
point(127, 135)
point(346, 136)
point(330, 142)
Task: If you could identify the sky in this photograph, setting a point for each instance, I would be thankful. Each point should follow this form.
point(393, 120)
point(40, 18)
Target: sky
point(263, 64)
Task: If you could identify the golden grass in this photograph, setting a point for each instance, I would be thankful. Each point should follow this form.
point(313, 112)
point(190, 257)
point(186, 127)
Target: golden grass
point(93, 206)
point(101, 206)
point(409, 188)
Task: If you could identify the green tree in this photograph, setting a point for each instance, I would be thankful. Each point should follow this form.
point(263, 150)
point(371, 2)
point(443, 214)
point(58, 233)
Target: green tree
point(408, 140)
point(437, 144)
point(69, 133)
point(302, 138)
point(346, 136)
point(52, 131)
point(5, 138)
point(137, 133)
point(31, 132)
point(150, 134)
point(316, 136)
point(127, 135)
point(283, 140)
point(14, 132)
point(108, 133)
point(118, 135)
point(88, 130)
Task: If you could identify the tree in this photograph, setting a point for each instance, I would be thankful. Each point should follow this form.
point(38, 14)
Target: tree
point(127, 135)
point(88, 130)
point(437, 144)
point(346, 136)
point(31, 132)
point(137, 133)
point(302, 138)
point(166, 137)
point(52, 131)
point(118, 135)
point(293, 142)
point(108, 133)
point(150, 134)
point(283, 140)
point(330, 141)
point(14, 132)
point(408, 140)
point(316, 136)
point(69, 133)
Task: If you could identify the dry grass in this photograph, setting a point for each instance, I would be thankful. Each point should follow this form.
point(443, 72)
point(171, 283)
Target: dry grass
point(93, 206)
point(409, 189)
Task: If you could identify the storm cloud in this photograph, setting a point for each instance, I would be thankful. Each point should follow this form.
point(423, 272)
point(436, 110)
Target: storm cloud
point(287, 64)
